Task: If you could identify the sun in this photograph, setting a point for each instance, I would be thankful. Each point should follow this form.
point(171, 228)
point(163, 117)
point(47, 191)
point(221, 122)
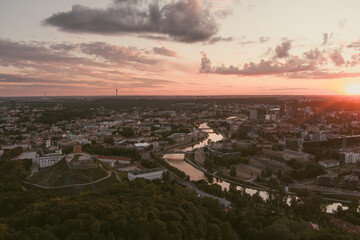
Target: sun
point(352, 89)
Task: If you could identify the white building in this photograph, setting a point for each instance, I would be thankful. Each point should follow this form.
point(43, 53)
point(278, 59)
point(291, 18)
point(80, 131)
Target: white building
point(141, 146)
point(150, 174)
point(48, 143)
point(352, 157)
point(329, 163)
point(112, 160)
point(47, 161)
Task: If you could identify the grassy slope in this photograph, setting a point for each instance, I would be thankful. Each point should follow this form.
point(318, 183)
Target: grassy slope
point(59, 175)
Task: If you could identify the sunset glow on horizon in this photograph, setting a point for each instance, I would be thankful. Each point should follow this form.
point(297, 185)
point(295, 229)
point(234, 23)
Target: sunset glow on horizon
point(181, 47)
point(352, 89)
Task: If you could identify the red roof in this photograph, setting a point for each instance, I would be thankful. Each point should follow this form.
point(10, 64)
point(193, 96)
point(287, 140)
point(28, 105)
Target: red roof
point(115, 158)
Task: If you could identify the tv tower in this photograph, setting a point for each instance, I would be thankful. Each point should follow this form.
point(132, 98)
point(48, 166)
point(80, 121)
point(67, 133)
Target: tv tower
point(116, 90)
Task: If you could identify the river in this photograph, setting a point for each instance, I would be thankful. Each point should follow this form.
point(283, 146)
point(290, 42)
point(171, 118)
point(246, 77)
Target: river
point(177, 160)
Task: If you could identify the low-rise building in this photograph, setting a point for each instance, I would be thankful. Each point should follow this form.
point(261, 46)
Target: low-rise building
point(111, 160)
point(150, 174)
point(290, 154)
point(350, 181)
point(49, 160)
point(328, 180)
point(129, 167)
point(329, 163)
point(352, 157)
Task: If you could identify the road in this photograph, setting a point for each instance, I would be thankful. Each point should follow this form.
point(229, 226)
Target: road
point(326, 190)
point(71, 185)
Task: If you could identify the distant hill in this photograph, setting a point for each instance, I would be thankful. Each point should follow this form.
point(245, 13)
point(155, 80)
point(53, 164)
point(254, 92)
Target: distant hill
point(60, 175)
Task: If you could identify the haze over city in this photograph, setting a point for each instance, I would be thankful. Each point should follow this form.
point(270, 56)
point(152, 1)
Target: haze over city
point(189, 47)
point(179, 119)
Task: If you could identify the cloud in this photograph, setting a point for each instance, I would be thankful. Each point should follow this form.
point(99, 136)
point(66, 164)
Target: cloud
point(132, 82)
point(355, 60)
point(264, 67)
point(315, 56)
point(165, 51)
point(325, 38)
point(21, 54)
point(282, 50)
point(309, 65)
point(182, 20)
point(148, 82)
point(287, 89)
point(90, 65)
point(264, 39)
point(63, 47)
point(261, 40)
point(205, 64)
point(342, 23)
point(337, 58)
point(65, 57)
point(246, 42)
point(355, 44)
point(26, 80)
point(322, 74)
point(219, 39)
point(115, 54)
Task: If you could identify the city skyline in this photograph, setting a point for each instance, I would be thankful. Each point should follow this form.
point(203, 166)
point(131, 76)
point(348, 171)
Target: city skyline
point(182, 47)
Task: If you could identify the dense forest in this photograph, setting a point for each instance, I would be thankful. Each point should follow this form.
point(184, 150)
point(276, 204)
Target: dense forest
point(142, 209)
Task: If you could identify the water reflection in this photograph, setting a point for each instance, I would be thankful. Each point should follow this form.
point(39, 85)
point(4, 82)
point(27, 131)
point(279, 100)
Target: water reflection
point(214, 137)
point(177, 160)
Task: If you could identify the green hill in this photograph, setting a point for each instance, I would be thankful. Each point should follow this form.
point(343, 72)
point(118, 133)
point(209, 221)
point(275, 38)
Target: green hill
point(60, 175)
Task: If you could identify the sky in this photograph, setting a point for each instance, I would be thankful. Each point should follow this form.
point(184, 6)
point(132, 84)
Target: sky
point(179, 47)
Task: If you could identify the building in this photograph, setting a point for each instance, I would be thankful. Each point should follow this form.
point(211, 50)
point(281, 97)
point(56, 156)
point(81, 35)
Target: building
point(328, 180)
point(150, 174)
point(287, 155)
point(141, 146)
point(80, 160)
point(300, 156)
point(352, 157)
point(294, 110)
point(329, 163)
point(253, 114)
point(48, 160)
point(292, 143)
point(282, 109)
point(48, 143)
point(111, 160)
point(350, 181)
point(129, 167)
point(77, 148)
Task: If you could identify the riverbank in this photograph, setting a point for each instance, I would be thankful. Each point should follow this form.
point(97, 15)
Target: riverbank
point(238, 182)
point(186, 144)
point(197, 172)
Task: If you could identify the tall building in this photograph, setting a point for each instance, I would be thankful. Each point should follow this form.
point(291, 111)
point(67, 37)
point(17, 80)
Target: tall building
point(294, 109)
point(282, 109)
point(253, 114)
